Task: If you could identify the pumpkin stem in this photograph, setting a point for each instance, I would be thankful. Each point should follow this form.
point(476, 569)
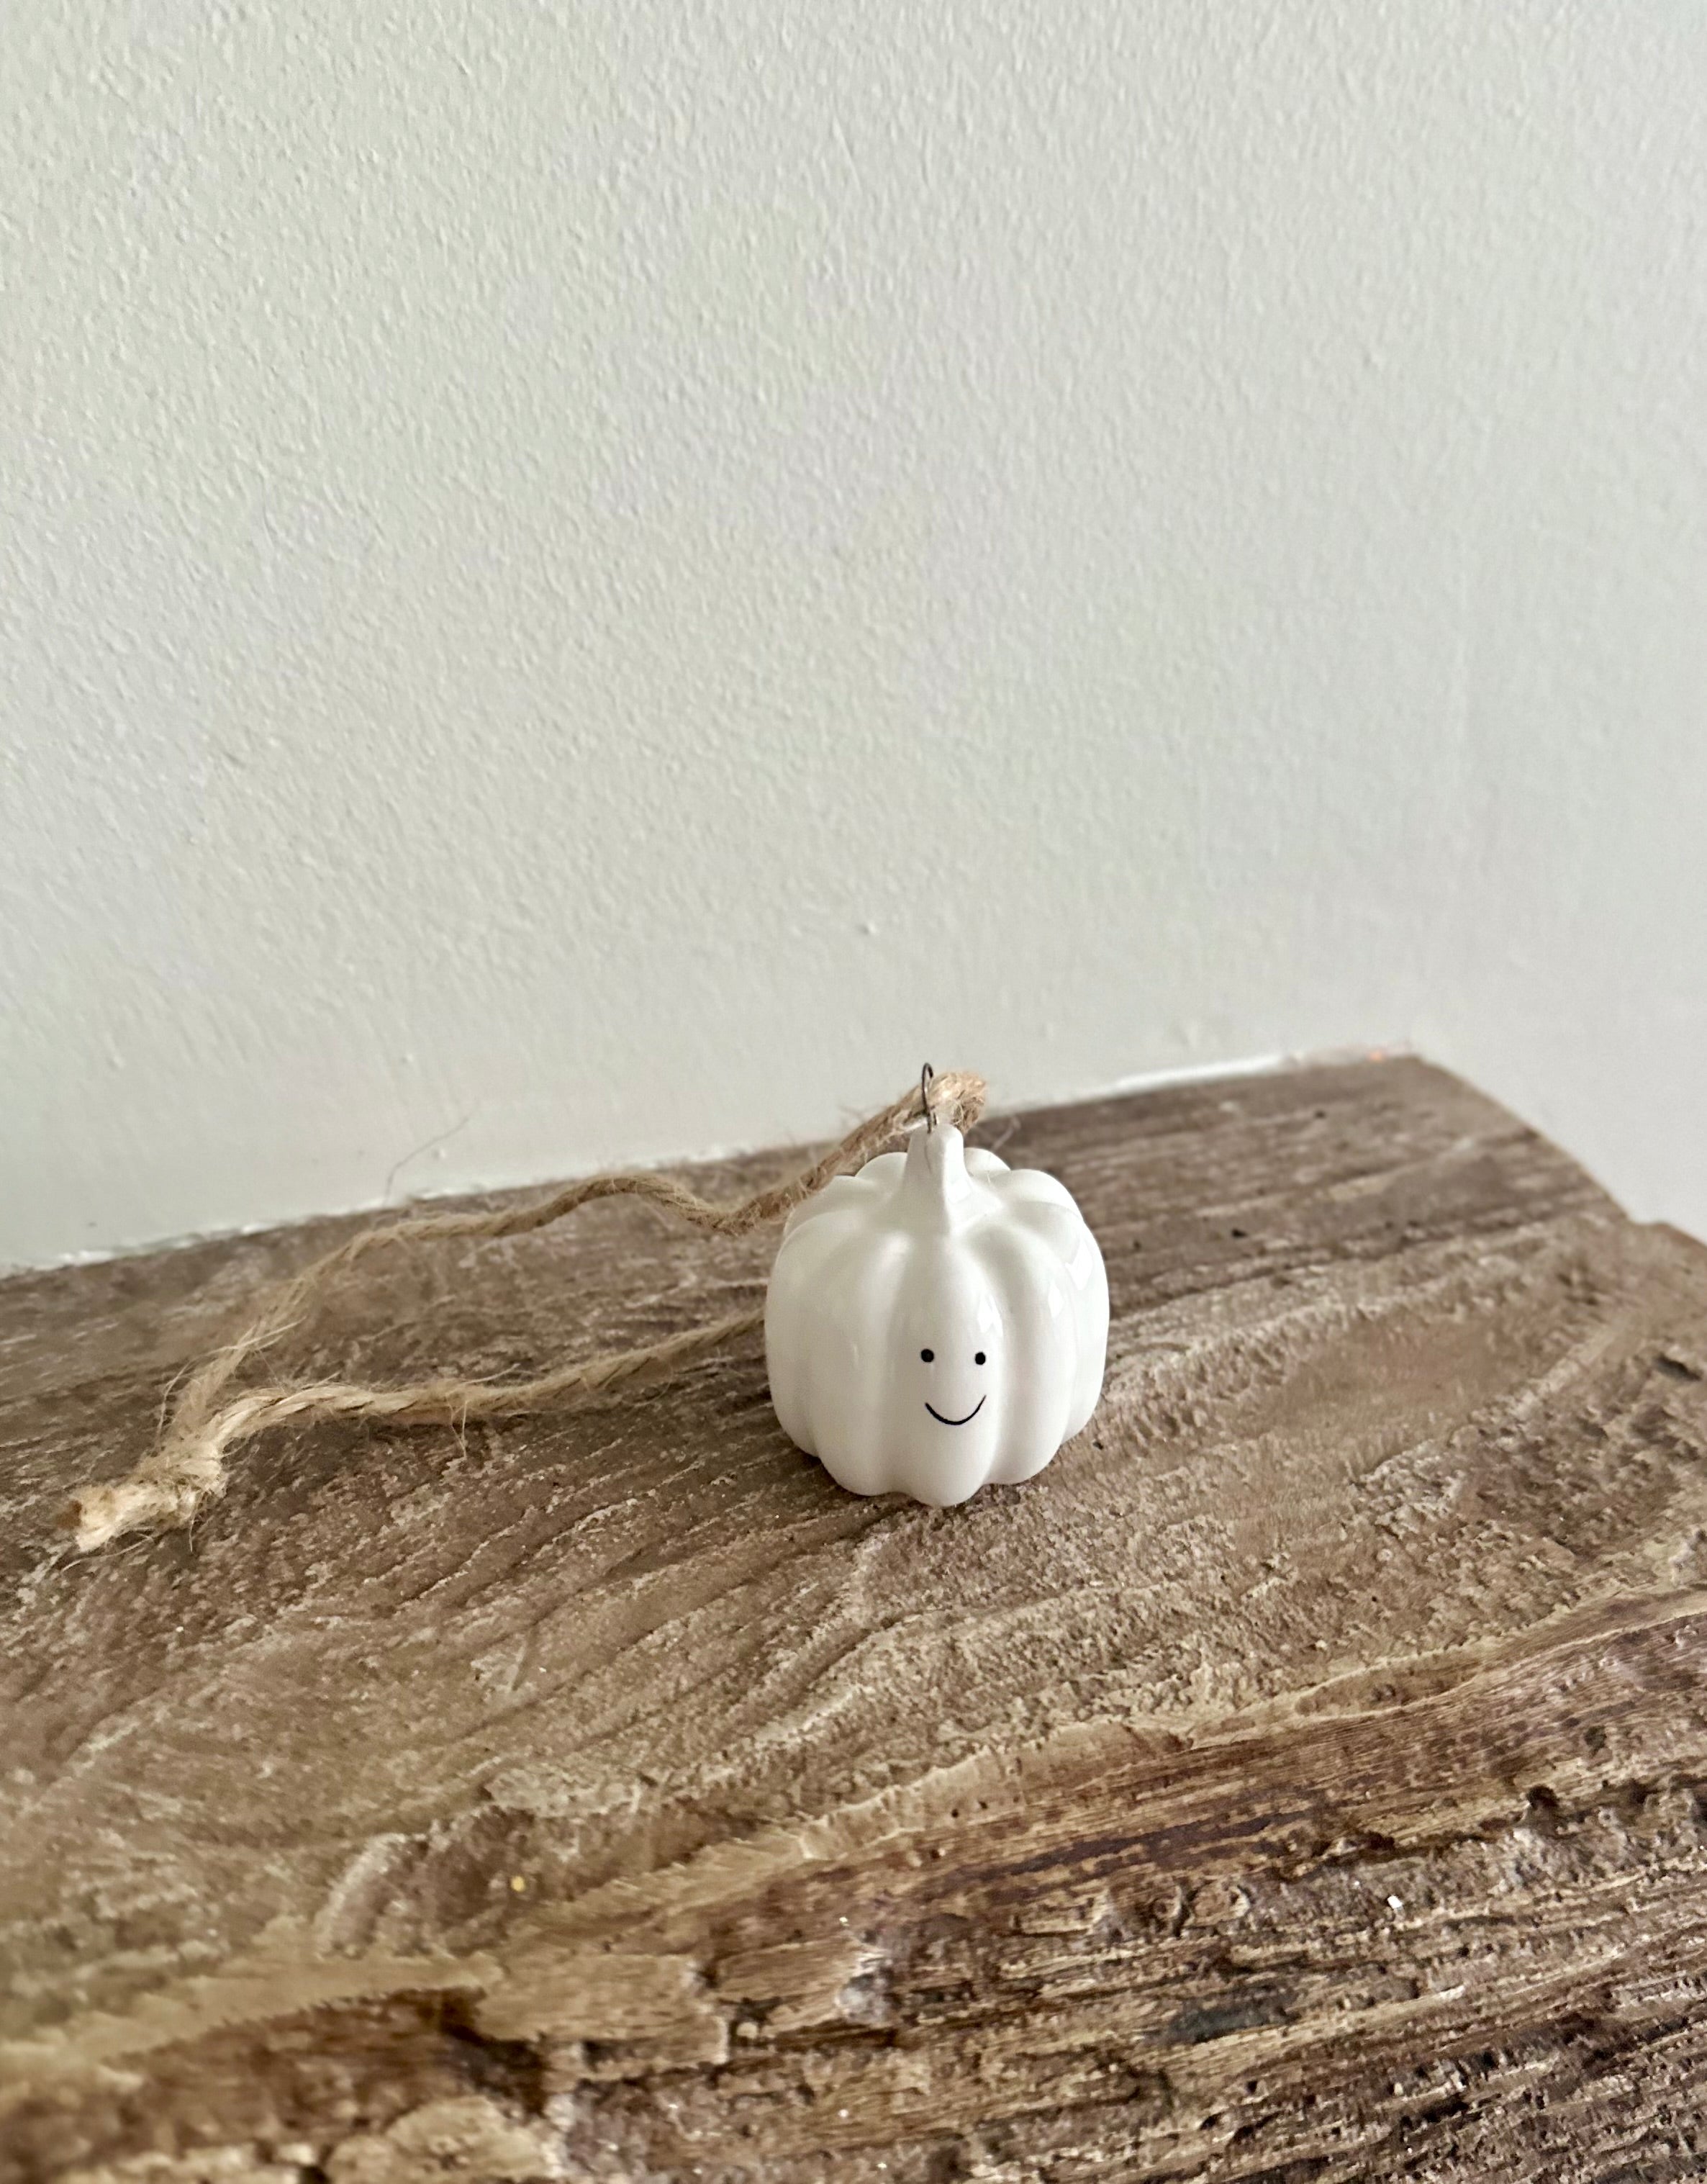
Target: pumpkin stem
point(935, 1187)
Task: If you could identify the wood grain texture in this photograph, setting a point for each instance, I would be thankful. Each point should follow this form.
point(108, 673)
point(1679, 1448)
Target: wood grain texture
point(1305, 1778)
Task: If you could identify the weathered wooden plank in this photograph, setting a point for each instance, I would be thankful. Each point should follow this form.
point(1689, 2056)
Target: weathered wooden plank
point(1303, 1777)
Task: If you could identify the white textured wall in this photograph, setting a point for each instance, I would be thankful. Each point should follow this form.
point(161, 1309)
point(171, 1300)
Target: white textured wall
point(602, 580)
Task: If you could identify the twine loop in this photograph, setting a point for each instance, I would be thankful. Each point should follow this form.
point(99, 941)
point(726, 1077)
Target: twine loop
point(188, 1466)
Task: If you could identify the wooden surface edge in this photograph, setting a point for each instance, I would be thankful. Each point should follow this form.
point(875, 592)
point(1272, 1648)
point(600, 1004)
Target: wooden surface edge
point(1144, 1886)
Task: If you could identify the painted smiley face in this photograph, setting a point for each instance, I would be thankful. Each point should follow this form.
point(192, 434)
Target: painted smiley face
point(929, 1357)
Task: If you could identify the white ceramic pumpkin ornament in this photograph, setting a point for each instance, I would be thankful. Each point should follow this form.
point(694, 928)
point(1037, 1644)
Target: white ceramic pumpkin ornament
point(937, 1322)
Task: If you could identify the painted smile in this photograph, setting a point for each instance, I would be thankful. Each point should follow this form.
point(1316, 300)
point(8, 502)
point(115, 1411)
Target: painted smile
point(970, 1416)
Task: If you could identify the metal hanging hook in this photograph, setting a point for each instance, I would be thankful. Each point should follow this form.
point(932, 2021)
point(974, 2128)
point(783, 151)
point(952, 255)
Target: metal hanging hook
point(925, 1077)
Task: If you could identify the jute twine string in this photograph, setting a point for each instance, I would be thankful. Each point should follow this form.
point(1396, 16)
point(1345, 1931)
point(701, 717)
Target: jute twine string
point(188, 1465)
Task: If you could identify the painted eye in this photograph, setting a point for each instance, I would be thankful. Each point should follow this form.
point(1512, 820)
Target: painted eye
point(927, 1355)
point(979, 1359)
